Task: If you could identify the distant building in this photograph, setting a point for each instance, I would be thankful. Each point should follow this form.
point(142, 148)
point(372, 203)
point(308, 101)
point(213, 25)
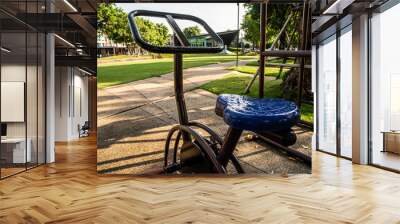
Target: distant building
point(205, 40)
point(107, 47)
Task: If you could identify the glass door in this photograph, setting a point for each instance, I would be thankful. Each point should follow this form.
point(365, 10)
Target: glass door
point(22, 78)
point(326, 68)
point(385, 89)
point(345, 59)
point(14, 153)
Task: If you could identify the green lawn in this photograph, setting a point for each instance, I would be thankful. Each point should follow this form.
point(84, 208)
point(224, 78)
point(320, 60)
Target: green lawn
point(119, 73)
point(252, 66)
point(274, 60)
point(307, 112)
point(274, 72)
point(236, 83)
point(120, 57)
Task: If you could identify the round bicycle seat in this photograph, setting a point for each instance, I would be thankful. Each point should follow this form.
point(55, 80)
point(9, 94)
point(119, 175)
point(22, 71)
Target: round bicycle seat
point(252, 114)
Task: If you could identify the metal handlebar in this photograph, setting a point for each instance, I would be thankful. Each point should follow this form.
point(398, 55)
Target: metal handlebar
point(183, 41)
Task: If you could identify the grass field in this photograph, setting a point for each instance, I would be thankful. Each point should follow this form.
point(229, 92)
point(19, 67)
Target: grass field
point(124, 72)
point(236, 83)
point(252, 66)
point(274, 72)
point(273, 60)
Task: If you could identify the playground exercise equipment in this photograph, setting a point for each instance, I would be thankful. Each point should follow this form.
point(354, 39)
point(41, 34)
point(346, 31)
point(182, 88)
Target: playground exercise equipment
point(211, 153)
point(300, 55)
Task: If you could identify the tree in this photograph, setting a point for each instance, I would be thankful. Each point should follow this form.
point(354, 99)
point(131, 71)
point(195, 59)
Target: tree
point(251, 30)
point(113, 22)
point(276, 17)
point(191, 31)
point(154, 33)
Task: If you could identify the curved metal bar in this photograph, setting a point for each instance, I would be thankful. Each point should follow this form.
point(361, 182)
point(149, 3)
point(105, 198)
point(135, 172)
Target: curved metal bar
point(234, 159)
point(174, 49)
point(206, 149)
point(208, 130)
point(218, 168)
point(178, 138)
point(168, 142)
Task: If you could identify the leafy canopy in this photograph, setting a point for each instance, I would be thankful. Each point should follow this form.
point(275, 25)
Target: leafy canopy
point(191, 31)
point(276, 17)
point(113, 22)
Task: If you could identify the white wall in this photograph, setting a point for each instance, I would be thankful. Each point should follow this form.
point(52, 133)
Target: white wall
point(62, 81)
point(12, 73)
point(71, 94)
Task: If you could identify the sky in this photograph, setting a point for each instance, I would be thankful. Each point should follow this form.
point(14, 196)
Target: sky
point(219, 16)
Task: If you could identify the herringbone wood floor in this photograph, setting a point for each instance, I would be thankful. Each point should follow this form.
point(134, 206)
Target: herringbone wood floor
point(70, 191)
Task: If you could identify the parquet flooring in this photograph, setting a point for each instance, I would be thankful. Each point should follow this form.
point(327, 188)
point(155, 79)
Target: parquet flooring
point(70, 191)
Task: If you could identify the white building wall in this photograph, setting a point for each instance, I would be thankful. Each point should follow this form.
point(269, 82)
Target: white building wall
point(71, 102)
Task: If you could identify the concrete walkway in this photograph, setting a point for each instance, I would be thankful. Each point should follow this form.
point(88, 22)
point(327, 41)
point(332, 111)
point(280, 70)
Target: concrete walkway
point(134, 119)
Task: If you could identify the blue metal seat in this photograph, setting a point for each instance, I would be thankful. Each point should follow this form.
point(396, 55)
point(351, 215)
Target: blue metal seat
point(252, 114)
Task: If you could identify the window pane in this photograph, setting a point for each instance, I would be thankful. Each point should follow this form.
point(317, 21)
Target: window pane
point(327, 95)
point(346, 92)
point(385, 84)
point(13, 86)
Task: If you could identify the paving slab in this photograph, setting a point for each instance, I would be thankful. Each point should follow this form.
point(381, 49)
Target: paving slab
point(115, 100)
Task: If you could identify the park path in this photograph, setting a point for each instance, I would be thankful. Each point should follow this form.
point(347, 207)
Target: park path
point(134, 119)
point(119, 98)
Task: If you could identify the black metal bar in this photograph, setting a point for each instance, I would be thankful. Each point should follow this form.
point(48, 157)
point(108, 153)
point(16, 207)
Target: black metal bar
point(284, 65)
point(179, 94)
point(288, 150)
point(263, 20)
point(45, 96)
point(231, 139)
point(385, 168)
point(338, 74)
point(287, 53)
point(238, 36)
point(179, 34)
point(369, 97)
point(172, 49)
point(316, 97)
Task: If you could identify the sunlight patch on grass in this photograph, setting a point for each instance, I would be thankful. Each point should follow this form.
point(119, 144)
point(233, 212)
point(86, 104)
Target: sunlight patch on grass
point(274, 72)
